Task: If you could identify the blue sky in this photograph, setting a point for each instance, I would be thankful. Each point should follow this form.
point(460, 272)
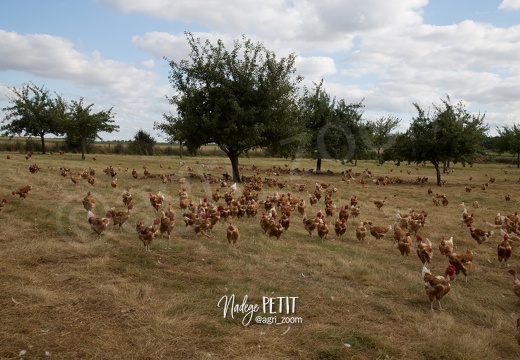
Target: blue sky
point(387, 54)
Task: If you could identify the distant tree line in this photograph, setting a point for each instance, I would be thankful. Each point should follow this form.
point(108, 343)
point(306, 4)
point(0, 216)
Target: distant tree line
point(246, 99)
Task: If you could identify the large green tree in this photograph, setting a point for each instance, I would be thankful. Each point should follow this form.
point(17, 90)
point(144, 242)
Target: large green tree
point(448, 133)
point(83, 127)
point(34, 112)
point(334, 128)
point(239, 99)
point(508, 140)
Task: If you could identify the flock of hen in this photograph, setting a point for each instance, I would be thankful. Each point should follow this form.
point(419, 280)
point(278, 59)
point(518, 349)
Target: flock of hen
point(203, 215)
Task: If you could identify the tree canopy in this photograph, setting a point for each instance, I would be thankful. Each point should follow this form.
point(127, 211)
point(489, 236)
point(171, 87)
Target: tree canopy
point(239, 99)
point(143, 143)
point(81, 126)
point(450, 133)
point(381, 129)
point(334, 127)
point(34, 112)
point(508, 140)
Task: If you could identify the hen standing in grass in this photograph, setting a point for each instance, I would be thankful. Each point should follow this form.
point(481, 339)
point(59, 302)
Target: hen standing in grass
point(170, 211)
point(323, 229)
point(516, 282)
point(504, 250)
point(436, 287)
point(340, 227)
point(355, 211)
point(147, 233)
point(450, 272)
point(461, 262)
point(34, 168)
point(380, 203)
point(399, 233)
point(466, 218)
point(330, 210)
point(89, 202)
point(98, 224)
point(76, 178)
point(127, 197)
point(285, 221)
point(266, 221)
point(232, 233)
point(404, 244)
point(301, 207)
point(156, 200)
point(201, 225)
point(91, 180)
point(424, 250)
point(478, 234)
point(361, 231)
point(446, 246)
point(344, 212)
point(2, 203)
point(378, 232)
point(310, 224)
point(22, 191)
point(120, 217)
point(353, 201)
point(167, 223)
point(276, 230)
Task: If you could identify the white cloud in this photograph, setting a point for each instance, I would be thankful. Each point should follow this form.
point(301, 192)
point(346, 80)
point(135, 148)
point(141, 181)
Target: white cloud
point(469, 61)
point(377, 50)
point(315, 67)
point(510, 4)
point(150, 63)
point(324, 26)
point(55, 57)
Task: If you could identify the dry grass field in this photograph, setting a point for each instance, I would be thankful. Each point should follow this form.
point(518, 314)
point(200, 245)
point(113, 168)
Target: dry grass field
point(67, 294)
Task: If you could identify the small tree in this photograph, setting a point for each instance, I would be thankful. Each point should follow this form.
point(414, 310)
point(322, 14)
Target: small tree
point(172, 133)
point(240, 99)
point(333, 127)
point(83, 127)
point(34, 113)
point(381, 129)
point(508, 140)
point(449, 134)
point(143, 143)
point(350, 118)
point(316, 110)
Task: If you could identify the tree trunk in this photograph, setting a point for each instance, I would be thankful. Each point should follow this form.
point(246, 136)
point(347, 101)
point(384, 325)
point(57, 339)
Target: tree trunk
point(438, 170)
point(518, 159)
point(318, 165)
point(83, 146)
point(234, 165)
point(233, 157)
point(180, 148)
point(43, 143)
